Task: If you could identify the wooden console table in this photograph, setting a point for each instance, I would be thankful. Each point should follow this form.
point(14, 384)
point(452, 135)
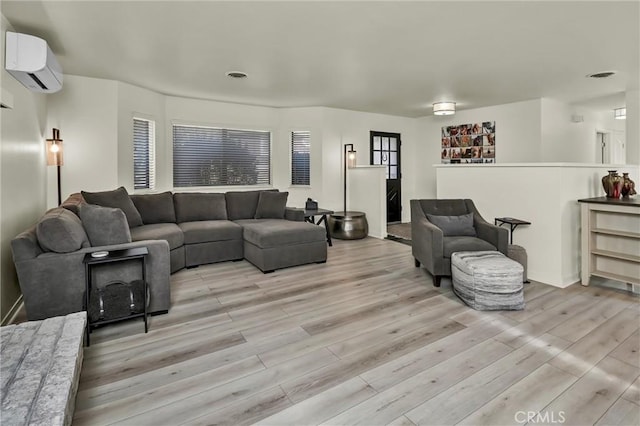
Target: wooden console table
point(611, 240)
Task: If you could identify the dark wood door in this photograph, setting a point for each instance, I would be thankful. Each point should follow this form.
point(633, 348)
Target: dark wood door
point(385, 150)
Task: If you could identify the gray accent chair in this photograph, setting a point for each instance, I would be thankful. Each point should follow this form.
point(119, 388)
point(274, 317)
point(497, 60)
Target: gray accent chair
point(432, 249)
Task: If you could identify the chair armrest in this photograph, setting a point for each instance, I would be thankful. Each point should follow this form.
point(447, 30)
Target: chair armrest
point(493, 234)
point(294, 214)
point(427, 242)
point(25, 245)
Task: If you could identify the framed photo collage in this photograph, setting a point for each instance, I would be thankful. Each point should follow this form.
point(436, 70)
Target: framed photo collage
point(469, 143)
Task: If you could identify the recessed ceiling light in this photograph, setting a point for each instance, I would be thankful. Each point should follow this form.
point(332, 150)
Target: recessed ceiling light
point(236, 74)
point(603, 74)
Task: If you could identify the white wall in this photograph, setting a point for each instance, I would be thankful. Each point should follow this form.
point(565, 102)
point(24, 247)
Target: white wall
point(367, 186)
point(563, 140)
point(300, 119)
point(539, 130)
point(86, 112)
point(220, 114)
point(136, 102)
point(342, 127)
point(556, 142)
point(22, 172)
point(95, 120)
point(632, 99)
point(518, 136)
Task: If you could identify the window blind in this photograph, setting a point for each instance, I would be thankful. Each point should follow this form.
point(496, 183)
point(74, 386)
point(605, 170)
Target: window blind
point(143, 154)
point(300, 158)
point(207, 156)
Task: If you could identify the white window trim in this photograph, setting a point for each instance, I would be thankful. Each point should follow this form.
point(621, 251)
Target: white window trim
point(290, 136)
point(152, 152)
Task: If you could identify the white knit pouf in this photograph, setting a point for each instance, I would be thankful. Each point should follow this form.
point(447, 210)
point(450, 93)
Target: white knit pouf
point(487, 280)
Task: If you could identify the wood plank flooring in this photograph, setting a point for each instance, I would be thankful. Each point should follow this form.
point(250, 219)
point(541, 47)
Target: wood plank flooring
point(363, 339)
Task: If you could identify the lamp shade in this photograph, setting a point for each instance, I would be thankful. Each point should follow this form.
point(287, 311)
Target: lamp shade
point(444, 108)
point(351, 158)
point(54, 150)
point(620, 113)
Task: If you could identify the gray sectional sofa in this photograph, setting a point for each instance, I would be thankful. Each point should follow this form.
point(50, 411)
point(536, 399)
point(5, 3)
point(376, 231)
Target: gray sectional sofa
point(180, 230)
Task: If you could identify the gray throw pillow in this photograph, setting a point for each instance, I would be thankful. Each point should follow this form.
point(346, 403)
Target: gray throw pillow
point(155, 208)
point(119, 199)
point(242, 204)
point(454, 226)
point(105, 225)
point(195, 206)
point(271, 205)
point(61, 231)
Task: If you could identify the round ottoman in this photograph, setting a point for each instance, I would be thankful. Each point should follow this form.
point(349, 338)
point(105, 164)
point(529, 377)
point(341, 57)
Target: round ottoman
point(487, 280)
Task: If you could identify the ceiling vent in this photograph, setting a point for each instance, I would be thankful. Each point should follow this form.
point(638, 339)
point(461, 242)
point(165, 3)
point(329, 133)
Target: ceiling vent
point(604, 74)
point(237, 74)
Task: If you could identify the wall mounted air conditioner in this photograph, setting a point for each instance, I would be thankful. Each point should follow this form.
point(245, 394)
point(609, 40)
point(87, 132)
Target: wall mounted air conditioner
point(30, 60)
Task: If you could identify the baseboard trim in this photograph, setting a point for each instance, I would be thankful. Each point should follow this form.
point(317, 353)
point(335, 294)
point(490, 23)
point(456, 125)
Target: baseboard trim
point(11, 315)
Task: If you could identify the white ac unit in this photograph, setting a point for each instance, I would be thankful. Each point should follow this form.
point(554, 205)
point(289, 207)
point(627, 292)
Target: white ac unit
point(30, 60)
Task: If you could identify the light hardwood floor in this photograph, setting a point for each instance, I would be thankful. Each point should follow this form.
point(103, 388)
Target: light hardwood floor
point(363, 339)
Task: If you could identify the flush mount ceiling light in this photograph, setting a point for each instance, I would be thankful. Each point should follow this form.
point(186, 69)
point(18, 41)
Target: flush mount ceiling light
point(603, 74)
point(620, 113)
point(444, 108)
point(236, 74)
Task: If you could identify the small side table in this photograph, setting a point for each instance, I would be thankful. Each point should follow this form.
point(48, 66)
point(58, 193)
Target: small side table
point(113, 257)
point(512, 222)
point(309, 216)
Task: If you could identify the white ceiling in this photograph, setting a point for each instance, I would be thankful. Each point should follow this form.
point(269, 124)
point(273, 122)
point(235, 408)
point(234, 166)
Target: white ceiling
point(387, 57)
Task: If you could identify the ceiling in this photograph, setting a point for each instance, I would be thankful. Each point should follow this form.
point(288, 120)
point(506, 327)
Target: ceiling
point(386, 57)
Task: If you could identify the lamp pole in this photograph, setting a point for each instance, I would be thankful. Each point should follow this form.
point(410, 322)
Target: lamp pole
point(59, 189)
point(54, 157)
point(346, 160)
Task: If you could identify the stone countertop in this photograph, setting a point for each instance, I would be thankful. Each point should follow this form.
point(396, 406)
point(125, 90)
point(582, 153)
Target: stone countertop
point(41, 362)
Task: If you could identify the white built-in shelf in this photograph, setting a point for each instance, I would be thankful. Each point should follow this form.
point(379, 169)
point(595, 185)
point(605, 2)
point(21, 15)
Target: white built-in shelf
point(625, 234)
point(610, 239)
point(617, 277)
point(616, 255)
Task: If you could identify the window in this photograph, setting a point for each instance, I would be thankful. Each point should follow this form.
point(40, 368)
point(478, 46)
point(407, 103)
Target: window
point(300, 155)
point(144, 163)
point(207, 156)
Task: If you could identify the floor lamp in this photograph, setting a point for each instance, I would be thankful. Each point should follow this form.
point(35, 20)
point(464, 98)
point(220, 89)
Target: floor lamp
point(348, 225)
point(54, 156)
point(349, 161)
